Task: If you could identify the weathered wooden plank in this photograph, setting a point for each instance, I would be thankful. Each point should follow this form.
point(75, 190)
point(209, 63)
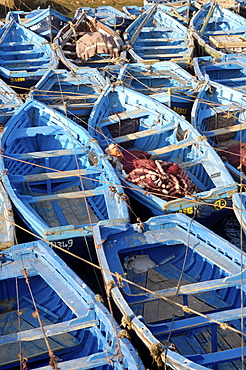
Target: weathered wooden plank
point(115, 118)
point(48, 153)
point(189, 289)
point(70, 195)
point(216, 358)
point(54, 175)
point(141, 134)
point(50, 330)
point(18, 52)
point(186, 143)
point(34, 345)
point(161, 47)
point(22, 43)
point(158, 310)
point(77, 211)
point(67, 106)
point(94, 361)
point(223, 345)
point(26, 61)
point(235, 32)
point(225, 130)
point(71, 96)
point(197, 321)
point(153, 29)
point(172, 147)
point(164, 55)
point(154, 40)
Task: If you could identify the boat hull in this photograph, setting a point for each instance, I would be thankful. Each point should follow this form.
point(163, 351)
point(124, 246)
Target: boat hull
point(75, 327)
point(25, 56)
point(155, 36)
point(60, 192)
point(172, 283)
point(154, 128)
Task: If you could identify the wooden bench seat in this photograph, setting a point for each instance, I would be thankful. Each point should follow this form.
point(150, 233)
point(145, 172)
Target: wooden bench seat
point(156, 29)
point(166, 39)
point(160, 47)
point(189, 289)
point(18, 52)
point(225, 32)
point(51, 330)
point(15, 43)
point(143, 133)
point(48, 153)
point(94, 361)
point(27, 61)
point(197, 321)
point(70, 195)
point(115, 118)
point(163, 55)
point(53, 175)
point(215, 358)
point(235, 79)
point(66, 106)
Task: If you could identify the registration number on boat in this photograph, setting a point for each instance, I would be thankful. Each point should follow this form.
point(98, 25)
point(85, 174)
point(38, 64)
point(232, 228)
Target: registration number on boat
point(180, 110)
point(187, 211)
point(35, 27)
point(17, 79)
point(65, 245)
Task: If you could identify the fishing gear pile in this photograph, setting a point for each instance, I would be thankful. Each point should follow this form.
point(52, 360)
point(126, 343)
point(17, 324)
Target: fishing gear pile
point(164, 179)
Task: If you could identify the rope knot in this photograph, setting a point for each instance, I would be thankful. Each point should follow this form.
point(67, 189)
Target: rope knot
point(156, 351)
point(126, 322)
point(202, 137)
point(141, 224)
point(99, 298)
point(120, 279)
point(25, 273)
point(186, 309)
point(110, 285)
point(124, 334)
point(224, 325)
point(53, 360)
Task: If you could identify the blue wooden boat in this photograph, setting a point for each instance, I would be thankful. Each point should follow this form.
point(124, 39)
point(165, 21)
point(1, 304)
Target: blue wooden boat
point(156, 36)
point(239, 208)
point(179, 286)
point(110, 16)
point(166, 82)
point(57, 177)
point(218, 31)
point(24, 56)
point(49, 314)
point(229, 70)
point(73, 94)
point(45, 22)
point(10, 101)
point(133, 121)
point(180, 11)
point(219, 113)
point(85, 40)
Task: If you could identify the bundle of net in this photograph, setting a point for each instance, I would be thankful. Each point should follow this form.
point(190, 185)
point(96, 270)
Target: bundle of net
point(235, 154)
point(162, 178)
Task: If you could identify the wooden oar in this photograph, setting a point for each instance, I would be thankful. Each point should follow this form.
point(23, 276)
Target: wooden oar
point(210, 13)
point(138, 30)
